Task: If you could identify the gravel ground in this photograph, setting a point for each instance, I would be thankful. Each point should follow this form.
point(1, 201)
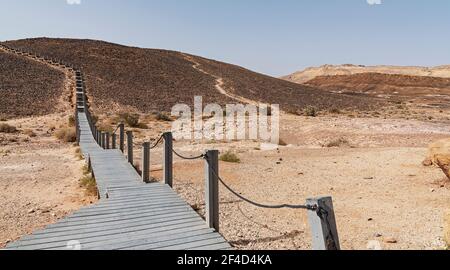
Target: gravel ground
point(38, 179)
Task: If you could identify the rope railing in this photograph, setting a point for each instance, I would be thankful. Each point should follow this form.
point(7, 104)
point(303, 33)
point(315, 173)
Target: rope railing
point(260, 205)
point(158, 141)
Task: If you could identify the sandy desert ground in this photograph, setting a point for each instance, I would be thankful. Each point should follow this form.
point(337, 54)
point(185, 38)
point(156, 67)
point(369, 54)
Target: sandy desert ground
point(381, 190)
point(39, 178)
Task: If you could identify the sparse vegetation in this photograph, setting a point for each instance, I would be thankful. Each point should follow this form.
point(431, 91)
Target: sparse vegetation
point(88, 182)
point(338, 143)
point(78, 153)
point(161, 116)
point(5, 128)
point(335, 111)
point(30, 133)
point(71, 121)
point(66, 135)
point(230, 157)
point(310, 111)
point(132, 120)
point(86, 170)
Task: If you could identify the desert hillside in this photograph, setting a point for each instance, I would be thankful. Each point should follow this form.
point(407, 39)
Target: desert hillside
point(27, 87)
point(333, 70)
point(423, 91)
point(154, 80)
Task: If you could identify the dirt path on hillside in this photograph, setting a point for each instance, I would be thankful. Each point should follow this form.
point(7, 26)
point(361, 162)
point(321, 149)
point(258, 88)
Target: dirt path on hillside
point(219, 82)
point(67, 96)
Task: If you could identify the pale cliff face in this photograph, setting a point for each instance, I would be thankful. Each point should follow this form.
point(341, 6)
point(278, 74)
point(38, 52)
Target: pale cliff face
point(332, 70)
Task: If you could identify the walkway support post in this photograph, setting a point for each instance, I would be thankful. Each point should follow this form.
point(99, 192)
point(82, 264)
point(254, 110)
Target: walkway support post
point(168, 159)
point(108, 138)
point(146, 162)
point(323, 224)
point(94, 133)
point(99, 135)
point(104, 140)
point(114, 141)
point(122, 137)
point(130, 146)
point(212, 189)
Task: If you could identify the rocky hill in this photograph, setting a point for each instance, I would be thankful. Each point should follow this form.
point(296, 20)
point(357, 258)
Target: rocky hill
point(27, 87)
point(155, 80)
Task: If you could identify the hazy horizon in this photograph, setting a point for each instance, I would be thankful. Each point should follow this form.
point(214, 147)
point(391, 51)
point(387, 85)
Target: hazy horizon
point(271, 37)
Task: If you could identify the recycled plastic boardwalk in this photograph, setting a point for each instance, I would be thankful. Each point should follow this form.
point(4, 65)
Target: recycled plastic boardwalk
point(130, 215)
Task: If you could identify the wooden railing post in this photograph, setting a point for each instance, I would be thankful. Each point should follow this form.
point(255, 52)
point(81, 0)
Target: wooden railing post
point(168, 159)
point(104, 140)
point(130, 146)
point(122, 137)
point(114, 141)
point(94, 133)
point(146, 162)
point(107, 142)
point(99, 136)
point(212, 189)
point(323, 224)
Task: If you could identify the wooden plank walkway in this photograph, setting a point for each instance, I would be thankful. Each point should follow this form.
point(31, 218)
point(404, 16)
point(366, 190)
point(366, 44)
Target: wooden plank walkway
point(130, 215)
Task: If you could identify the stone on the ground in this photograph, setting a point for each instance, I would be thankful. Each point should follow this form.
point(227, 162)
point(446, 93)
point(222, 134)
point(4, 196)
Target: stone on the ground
point(439, 154)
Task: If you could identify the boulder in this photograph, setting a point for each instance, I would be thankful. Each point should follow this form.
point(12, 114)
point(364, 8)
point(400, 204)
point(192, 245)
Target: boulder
point(439, 154)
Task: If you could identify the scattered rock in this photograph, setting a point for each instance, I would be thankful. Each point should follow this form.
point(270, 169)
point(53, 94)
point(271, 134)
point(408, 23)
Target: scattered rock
point(370, 219)
point(368, 178)
point(432, 190)
point(390, 240)
point(31, 211)
point(427, 162)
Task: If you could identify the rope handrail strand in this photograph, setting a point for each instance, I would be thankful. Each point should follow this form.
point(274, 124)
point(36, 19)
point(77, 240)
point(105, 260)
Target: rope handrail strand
point(157, 142)
point(260, 205)
point(188, 158)
point(117, 128)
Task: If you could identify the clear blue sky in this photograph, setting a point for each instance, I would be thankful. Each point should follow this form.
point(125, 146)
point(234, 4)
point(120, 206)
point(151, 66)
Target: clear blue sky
point(275, 37)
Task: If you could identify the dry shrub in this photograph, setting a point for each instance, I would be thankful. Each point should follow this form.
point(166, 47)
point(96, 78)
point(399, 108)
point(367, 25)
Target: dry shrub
point(71, 121)
point(78, 153)
point(68, 135)
point(335, 111)
point(161, 116)
point(230, 157)
point(5, 128)
point(310, 111)
point(130, 119)
point(338, 143)
point(29, 133)
point(88, 182)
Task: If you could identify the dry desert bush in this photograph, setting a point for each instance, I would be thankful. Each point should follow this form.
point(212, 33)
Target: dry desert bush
point(6, 128)
point(230, 157)
point(66, 134)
